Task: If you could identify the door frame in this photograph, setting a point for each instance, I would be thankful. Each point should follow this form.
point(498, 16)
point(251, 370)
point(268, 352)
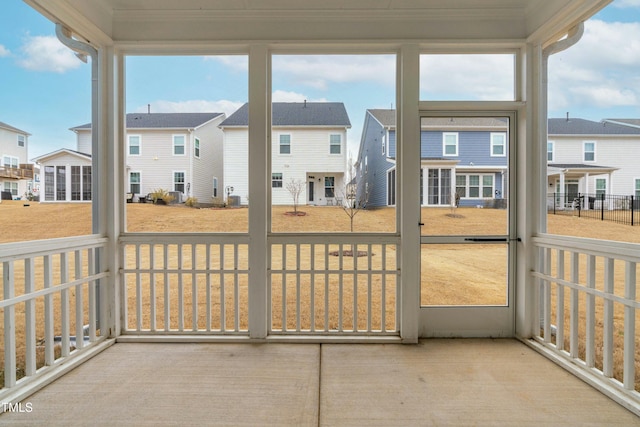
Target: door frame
point(478, 321)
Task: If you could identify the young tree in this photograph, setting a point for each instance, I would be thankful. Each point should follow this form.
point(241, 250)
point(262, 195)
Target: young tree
point(356, 192)
point(295, 188)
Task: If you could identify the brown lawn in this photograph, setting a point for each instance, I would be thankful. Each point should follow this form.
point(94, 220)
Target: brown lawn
point(452, 274)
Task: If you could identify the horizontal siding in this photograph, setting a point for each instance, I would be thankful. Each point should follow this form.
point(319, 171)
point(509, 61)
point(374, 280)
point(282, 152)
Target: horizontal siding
point(84, 142)
point(236, 163)
point(9, 146)
point(210, 163)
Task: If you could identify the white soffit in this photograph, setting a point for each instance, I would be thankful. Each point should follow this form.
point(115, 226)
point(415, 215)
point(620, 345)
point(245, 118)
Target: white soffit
point(159, 21)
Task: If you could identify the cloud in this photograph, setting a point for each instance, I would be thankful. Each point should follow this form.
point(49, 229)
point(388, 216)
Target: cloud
point(284, 96)
point(192, 106)
point(623, 4)
point(467, 77)
point(46, 53)
point(237, 62)
point(600, 71)
point(318, 71)
point(4, 51)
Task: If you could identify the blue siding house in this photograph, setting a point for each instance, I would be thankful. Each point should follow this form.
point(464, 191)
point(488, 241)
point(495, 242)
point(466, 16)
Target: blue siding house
point(463, 156)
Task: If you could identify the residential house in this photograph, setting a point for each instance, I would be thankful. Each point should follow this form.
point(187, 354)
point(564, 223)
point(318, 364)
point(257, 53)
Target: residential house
point(16, 175)
point(308, 147)
point(178, 152)
point(592, 158)
point(467, 156)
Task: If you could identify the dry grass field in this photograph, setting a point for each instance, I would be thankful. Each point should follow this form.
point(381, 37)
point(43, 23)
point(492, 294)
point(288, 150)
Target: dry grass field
point(452, 274)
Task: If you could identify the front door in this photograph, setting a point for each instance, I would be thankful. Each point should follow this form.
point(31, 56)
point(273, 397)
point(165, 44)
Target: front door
point(310, 192)
point(467, 236)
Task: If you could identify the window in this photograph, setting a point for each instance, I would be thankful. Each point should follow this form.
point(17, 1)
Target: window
point(10, 161)
point(391, 187)
point(21, 140)
point(86, 183)
point(550, 151)
point(178, 181)
point(134, 145)
point(61, 183)
point(215, 186)
point(589, 149)
point(384, 144)
point(178, 145)
point(601, 186)
point(76, 189)
point(498, 145)
point(475, 186)
point(285, 144)
point(329, 186)
point(196, 148)
point(461, 185)
point(134, 182)
point(335, 144)
point(49, 183)
point(450, 144)
point(638, 188)
point(276, 180)
point(438, 186)
point(12, 187)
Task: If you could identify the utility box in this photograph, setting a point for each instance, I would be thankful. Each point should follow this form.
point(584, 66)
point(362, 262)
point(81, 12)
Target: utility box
point(177, 196)
point(234, 201)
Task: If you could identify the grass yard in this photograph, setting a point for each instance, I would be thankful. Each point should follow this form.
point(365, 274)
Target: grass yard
point(478, 270)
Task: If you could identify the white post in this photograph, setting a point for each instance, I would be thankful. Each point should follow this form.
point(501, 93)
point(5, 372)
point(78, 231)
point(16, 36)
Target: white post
point(408, 198)
point(259, 142)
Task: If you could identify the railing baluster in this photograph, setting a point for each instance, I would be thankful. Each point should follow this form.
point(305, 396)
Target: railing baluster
point(194, 289)
point(152, 288)
point(167, 289)
point(138, 290)
point(180, 289)
point(574, 307)
point(340, 290)
point(80, 303)
point(208, 287)
point(223, 320)
point(591, 313)
point(298, 297)
point(629, 326)
point(312, 290)
point(354, 254)
point(383, 296)
point(64, 306)
point(30, 318)
point(49, 356)
point(546, 292)
point(92, 296)
point(607, 338)
point(284, 287)
point(326, 287)
point(560, 301)
point(236, 288)
point(369, 288)
point(9, 325)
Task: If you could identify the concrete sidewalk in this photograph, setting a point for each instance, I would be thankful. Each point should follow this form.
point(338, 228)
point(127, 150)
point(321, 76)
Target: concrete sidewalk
point(438, 382)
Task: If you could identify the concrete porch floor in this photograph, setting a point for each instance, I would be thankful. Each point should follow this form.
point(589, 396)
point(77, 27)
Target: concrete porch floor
point(437, 382)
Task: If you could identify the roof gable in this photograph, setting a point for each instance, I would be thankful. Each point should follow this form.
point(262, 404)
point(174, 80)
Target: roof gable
point(61, 152)
point(296, 114)
point(12, 129)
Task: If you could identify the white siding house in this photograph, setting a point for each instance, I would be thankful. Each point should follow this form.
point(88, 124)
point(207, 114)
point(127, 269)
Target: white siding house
point(177, 152)
point(593, 158)
point(16, 175)
point(308, 145)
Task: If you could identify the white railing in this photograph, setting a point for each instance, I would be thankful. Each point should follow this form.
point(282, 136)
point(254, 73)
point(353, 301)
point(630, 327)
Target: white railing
point(333, 284)
point(588, 307)
point(184, 284)
point(50, 304)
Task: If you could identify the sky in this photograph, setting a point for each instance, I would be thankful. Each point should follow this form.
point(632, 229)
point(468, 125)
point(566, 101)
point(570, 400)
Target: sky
point(45, 89)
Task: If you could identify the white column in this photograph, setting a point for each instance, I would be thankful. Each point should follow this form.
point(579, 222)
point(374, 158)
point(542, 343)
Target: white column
point(408, 152)
point(259, 131)
point(562, 190)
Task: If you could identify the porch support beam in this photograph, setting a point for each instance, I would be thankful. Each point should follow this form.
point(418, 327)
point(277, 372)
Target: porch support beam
point(408, 170)
point(259, 125)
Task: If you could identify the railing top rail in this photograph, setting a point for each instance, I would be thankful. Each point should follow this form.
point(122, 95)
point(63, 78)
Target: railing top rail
point(606, 248)
point(335, 238)
point(19, 250)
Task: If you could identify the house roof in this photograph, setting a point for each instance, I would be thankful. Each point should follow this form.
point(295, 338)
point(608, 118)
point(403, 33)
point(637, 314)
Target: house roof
point(576, 166)
point(588, 127)
point(626, 122)
point(296, 114)
point(12, 129)
point(162, 120)
point(39, 159)
point(388, 119)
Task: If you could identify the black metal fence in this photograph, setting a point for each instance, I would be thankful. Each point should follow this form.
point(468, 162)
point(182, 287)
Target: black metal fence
point(605, 207)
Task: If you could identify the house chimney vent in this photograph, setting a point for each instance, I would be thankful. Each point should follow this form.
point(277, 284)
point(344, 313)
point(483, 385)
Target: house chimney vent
point(567, 116)
point(148, 108)
point(305, 103)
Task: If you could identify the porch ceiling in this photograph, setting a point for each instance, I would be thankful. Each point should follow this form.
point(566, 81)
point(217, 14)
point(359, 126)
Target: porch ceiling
point(310, 20)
